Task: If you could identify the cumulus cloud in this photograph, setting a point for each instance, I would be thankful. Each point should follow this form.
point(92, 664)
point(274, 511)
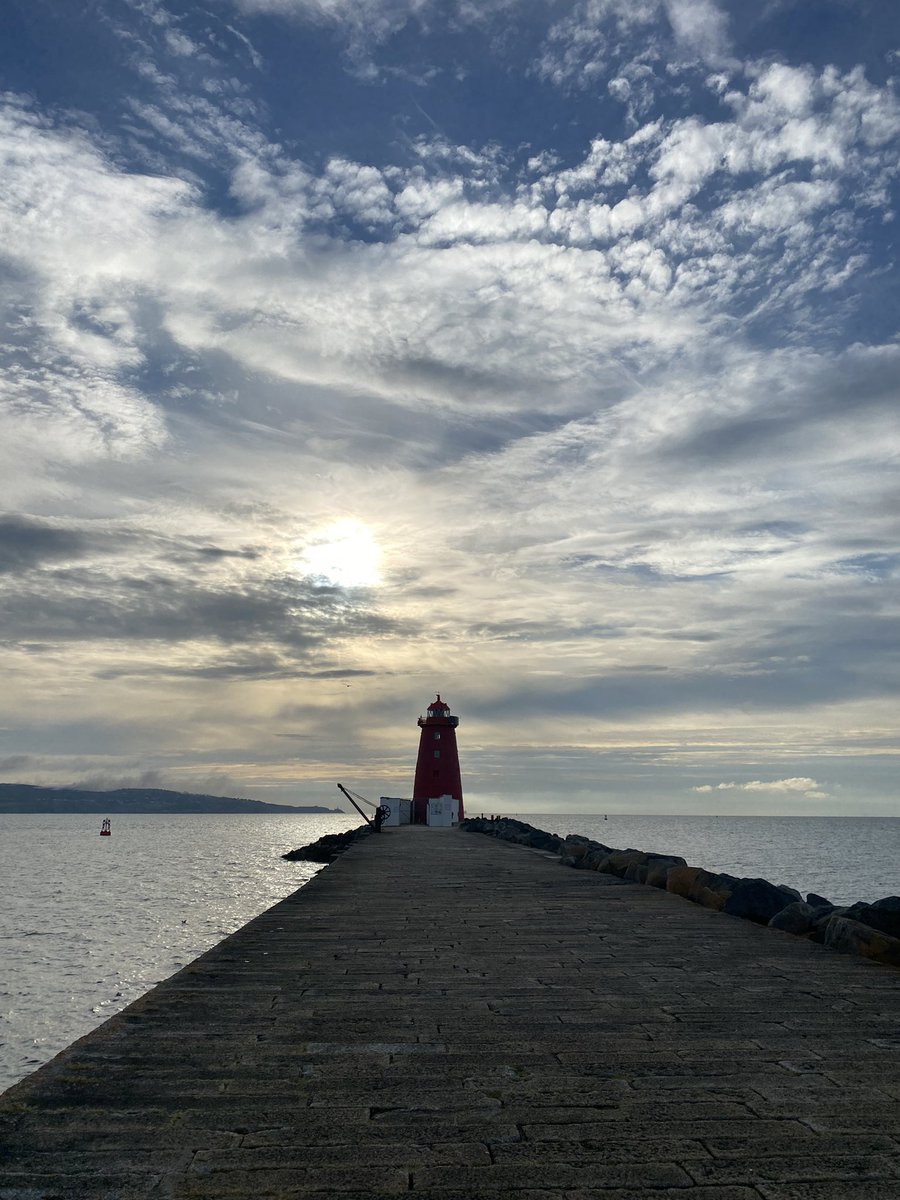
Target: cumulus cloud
point(700, 28)
point(583, 45)
point(637, 45)
point(808, 788)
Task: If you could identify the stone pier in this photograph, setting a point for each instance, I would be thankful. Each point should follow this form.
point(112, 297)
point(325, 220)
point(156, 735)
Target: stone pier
point(443, 1015)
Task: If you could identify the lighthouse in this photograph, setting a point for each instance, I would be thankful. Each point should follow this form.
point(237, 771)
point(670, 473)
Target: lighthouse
point(437, 767)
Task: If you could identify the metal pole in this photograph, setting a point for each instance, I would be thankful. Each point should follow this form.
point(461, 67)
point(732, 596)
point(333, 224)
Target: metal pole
point(355, 805)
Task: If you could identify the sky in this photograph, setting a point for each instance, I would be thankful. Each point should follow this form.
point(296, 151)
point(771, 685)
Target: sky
point(542, 353)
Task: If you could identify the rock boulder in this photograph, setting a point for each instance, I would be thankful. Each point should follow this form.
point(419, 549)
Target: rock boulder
point(328, 847)
point(798, 918)
point(619, 862)
point(758, 900)
point(703, 887)
point(883, 915)
point(659, 867)
point(855, 937)
point(582, 852)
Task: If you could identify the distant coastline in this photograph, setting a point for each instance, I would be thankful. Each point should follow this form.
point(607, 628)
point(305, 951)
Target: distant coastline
point(29, 798)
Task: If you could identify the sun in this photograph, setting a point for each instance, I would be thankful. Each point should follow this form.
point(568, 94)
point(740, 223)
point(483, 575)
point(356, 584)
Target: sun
point(343, 554)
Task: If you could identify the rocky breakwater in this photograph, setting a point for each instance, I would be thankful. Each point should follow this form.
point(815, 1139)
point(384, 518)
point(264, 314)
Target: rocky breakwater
point(871, 930)
point(329, 847)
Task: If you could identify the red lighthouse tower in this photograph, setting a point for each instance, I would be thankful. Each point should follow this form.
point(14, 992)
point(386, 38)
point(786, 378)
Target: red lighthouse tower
point(437, 767)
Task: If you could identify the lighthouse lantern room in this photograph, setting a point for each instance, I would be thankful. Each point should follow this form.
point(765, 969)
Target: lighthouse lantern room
point(437, 792)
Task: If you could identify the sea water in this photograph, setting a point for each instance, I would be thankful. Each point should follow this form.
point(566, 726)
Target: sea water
point(88, 924)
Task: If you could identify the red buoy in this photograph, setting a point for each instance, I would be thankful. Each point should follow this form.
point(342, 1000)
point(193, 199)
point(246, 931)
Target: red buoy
point(437, 767)
point(105, 830)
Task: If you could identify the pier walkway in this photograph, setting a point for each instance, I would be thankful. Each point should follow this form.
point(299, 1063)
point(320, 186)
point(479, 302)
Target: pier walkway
point(443, 1015)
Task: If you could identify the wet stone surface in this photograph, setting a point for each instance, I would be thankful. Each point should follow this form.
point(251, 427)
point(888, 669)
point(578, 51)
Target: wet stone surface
point(441, 1014)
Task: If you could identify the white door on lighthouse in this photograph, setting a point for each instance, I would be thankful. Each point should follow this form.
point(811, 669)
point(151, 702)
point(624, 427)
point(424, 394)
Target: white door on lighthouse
point(440, 811)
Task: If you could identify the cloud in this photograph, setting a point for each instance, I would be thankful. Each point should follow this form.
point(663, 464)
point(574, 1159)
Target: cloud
point(470, 289)
point(237, 610)
point(808, 788)
point(490, 300)
point(366, 24)
point(90, 605)
point(584, 45)
point(577, 46)
point(700, 28)
point(104, 781)
point(11, 764)
point(618, 406)
point(25, 543)
point(637, 45)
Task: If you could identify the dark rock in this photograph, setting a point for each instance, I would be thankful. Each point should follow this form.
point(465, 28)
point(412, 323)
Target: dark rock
point(816, 901)
point(539, 840)
point(797, 918)
point(581, 852)
point(508, 829)
point(577, 840)
point(855, 937)
point(853, 910)
point(703, 887)
point(658, 869)
point(638, 869)
point(820, 918)
point(327, 848)
point(594, 857)
point(883, 915)
point(617, 862)
point(573, 852)
point(758, 900)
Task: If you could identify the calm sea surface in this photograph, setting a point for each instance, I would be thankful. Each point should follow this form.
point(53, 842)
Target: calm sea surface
point(88, 924)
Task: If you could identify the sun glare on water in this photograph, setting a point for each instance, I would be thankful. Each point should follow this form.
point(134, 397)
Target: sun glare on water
point(343, 554)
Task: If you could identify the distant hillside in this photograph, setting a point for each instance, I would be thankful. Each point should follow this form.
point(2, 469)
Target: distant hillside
point(26, 798)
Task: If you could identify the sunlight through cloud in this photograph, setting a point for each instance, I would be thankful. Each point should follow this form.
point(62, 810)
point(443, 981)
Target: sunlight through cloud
point(343, 554)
